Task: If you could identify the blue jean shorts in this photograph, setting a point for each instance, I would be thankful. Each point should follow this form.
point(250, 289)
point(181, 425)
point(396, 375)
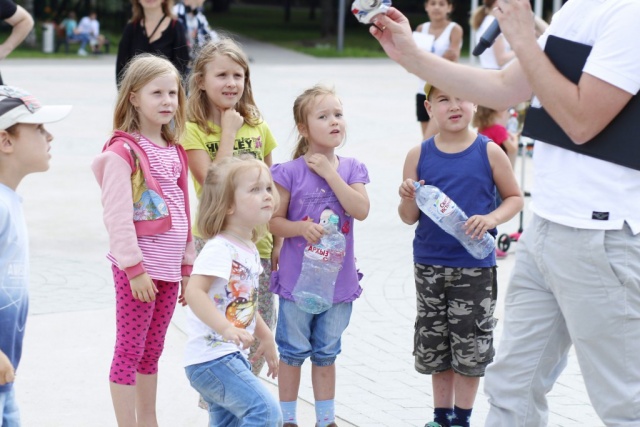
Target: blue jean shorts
point(300, 335)
point(9, 409)
point(234, 394)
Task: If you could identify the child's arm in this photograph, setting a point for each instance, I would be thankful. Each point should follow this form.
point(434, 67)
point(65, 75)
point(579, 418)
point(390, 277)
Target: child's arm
point(408, 209)
point(282, 227)
point(511, 147)
point(267, 347)
point(455, 44)
point(230, 123)
point(7, 374)
point(203, 307)
point(512, 200)
point(353, 198)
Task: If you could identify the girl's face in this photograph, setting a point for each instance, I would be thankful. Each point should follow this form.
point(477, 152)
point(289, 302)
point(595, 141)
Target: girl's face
point(325, 128)
point(253, 199)
point(450, 113)
point(223, 82)
point(157, 101)
point(438, 10)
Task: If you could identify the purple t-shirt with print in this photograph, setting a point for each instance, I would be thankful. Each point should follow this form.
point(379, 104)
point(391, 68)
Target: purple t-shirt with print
point(312, 198)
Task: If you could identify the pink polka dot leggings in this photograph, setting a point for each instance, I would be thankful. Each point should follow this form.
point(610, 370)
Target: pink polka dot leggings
point(140, 329)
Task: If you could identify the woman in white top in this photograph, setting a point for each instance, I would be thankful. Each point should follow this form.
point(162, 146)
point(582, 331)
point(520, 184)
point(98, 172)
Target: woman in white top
point(500, 52)
point(447, 42)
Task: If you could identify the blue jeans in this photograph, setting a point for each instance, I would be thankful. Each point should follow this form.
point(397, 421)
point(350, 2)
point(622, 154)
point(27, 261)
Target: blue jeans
point(300, 334)
point(9, 409)
point(235, 396)
point(82, 38)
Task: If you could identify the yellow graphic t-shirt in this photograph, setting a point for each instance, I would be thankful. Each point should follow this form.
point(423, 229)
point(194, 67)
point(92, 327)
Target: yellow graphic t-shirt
point(255, 140)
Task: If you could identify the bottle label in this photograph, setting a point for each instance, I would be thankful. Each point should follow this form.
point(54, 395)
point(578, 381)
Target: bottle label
point(316, 252)
point(443, 206)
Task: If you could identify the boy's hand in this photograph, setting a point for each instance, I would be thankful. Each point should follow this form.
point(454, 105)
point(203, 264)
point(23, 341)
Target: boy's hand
point(477, 225)
point(7, 373)
point(311, 231)
point(267, 348)
point(183, 286)
point(407, 190)
point(239, 337)
point(143, 288)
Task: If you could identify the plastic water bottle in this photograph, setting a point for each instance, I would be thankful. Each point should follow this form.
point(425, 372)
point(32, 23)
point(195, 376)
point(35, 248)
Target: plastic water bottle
point(321, 263)
point(512, 122)
point(448, 216)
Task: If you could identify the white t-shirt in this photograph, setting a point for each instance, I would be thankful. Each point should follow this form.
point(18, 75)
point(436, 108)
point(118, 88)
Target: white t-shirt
point(571, 188)
point(438, 46)
point(234, 292)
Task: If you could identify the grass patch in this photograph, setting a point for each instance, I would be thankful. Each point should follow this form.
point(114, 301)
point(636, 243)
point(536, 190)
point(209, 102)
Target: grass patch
point(266, 23)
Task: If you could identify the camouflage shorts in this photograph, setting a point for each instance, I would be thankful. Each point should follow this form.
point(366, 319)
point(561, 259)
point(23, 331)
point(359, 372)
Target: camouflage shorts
point(454, 322)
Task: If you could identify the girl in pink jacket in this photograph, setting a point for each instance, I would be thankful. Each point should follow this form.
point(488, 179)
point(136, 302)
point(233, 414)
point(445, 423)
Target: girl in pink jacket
point(143, 175)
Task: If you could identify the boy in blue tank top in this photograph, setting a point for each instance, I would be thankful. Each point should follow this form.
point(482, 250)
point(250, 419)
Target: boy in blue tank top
point(456, 293)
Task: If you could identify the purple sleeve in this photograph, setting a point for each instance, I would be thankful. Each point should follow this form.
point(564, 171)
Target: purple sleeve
point(359, 173)
point(282, 175)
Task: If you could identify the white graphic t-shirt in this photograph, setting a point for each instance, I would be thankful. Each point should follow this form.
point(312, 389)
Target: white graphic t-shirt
point(234, 292)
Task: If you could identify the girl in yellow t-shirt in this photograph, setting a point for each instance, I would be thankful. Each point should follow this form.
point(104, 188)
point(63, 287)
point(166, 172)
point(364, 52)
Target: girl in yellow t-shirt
point(224, 121)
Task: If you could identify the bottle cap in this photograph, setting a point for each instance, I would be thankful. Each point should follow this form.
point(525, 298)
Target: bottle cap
point(334, 219)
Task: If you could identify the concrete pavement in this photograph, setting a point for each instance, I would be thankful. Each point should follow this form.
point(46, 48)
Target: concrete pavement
point(63, 378)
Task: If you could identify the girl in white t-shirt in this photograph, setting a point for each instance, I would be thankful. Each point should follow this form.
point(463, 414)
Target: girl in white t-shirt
point(236, 206)
point(446, 41)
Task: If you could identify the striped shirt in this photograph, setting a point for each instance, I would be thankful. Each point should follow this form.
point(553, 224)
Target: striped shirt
point(162, 253)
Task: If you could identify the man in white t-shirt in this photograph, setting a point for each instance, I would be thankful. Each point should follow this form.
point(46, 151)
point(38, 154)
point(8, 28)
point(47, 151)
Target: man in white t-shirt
point(90, 26)
point(577, 274)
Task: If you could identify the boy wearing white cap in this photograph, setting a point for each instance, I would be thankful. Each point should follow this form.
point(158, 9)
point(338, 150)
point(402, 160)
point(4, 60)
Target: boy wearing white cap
point(24, 149)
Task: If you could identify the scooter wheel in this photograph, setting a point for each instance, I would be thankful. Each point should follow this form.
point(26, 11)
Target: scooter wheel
point(504, 241)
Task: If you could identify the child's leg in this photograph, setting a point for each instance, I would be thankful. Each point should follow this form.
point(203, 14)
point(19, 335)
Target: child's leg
point(9, 412)
point(293, 339)
point(443, 387)
point(132, 323)
point(465, 390)
point(266, 308)
point(236, 397)
point(154, 344)
point(326, 333)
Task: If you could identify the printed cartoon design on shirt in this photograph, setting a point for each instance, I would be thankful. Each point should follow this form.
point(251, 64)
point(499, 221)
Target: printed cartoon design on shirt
point(245, 145)
point(147, 204)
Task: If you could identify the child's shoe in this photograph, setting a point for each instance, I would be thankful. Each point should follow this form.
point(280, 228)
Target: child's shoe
point(432, 424)
point(500, 254)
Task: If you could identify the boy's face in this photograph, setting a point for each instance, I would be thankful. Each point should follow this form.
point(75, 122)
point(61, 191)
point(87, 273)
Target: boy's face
point(450, 113)
point(30, 147)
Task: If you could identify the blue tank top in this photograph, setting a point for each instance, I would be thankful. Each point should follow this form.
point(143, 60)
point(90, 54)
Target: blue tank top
point(467, 179)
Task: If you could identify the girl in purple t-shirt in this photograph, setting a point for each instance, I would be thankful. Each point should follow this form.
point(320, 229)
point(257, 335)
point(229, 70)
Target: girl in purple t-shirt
point(313, 186)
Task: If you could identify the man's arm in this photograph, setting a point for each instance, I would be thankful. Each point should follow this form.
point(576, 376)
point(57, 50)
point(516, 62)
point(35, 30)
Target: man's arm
point(22, 24)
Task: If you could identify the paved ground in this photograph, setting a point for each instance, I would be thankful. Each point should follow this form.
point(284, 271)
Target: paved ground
point(63, 378)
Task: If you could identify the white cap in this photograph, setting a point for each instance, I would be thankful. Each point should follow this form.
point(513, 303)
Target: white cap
point(18, 106)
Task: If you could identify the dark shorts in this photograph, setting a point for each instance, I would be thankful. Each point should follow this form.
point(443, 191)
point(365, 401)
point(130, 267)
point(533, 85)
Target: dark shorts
point(421, 110)
point(454, 322)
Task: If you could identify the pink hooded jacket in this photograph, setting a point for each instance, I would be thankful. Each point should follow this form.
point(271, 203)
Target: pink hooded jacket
point(116, 170)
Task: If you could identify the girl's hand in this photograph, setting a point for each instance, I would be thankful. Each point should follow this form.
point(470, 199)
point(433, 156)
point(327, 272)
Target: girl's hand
point(231, 120)
point(311, 231)
point(407, 190)
point(8, 374)
point(142, 288)
point(267, 348)
point(477, 225)
point(320, 165)
point(239, 337)
point(183, 287)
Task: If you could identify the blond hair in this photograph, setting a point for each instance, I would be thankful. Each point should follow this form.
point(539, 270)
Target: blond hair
point(198, 104)
point(218, 194)
point(480, 13)
point(138, 12)
point(301, 107)
point(484, 117)
point(138, 73)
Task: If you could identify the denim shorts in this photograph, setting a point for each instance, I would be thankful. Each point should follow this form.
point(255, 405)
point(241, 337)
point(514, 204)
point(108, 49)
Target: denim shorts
point(9, 409)
point(300, 335)
point(235, 396)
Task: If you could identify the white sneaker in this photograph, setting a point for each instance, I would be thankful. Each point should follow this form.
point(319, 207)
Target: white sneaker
point(82, 52)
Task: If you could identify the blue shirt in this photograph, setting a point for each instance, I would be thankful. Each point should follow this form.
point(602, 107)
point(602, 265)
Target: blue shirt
point(14, 276)
point(466, 177)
